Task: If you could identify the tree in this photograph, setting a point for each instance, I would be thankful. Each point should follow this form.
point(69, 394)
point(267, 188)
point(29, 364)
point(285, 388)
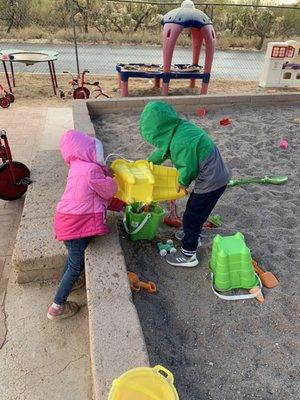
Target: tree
point(261, 22)
point(15, 14)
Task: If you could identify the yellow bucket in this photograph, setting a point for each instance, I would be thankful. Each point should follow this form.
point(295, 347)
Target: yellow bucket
point(141, 181)
point(144, 384)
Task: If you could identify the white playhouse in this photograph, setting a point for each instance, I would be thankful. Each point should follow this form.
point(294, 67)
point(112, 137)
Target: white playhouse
point(281, 67)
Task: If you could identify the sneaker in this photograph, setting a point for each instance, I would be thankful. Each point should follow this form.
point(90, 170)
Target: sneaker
point(178, 259)
point(67, 310)
point(180, 235)
point(79, 283)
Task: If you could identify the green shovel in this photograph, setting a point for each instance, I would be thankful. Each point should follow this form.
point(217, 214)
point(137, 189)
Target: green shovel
point(267, 179)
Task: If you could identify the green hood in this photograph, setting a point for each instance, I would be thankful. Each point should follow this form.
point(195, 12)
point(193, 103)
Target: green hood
point(158, 123)
point(179, 140)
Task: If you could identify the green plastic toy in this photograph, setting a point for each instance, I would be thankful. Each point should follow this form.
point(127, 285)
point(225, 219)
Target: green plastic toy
point(231, 264)
point(267, 179)
point(165, 248)
point(215, 220)
point(142, 225)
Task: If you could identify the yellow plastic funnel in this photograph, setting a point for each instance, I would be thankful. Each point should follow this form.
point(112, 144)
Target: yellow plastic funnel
point(141, 181)
point(144, 384)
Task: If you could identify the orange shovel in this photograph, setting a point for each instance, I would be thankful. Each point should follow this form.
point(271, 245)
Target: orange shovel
point(136, 285)
point(268, 279)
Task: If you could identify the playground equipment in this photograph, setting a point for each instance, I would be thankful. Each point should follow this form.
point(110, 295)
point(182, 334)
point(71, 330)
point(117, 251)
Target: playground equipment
point(142, 181)
point(231, 268)
point(28, 58)
point(281, 67)
point(267, 179)
point(79, 89)
point(144, 383)
point(6, 98)
point(14, 176)
point(142, 225)
point(136, 285)
point(186, 16)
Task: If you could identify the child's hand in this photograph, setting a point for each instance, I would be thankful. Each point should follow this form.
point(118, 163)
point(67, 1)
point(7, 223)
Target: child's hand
point(181, 187)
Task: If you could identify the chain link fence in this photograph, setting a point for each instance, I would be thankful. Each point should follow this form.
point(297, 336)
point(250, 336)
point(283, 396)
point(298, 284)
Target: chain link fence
point(112, 32)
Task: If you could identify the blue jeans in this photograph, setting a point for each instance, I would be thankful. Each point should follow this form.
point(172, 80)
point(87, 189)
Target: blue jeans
point(73, 267)
point(198, 208)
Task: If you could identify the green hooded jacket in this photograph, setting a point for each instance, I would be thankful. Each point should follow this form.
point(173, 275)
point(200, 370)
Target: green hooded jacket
point(184, 143)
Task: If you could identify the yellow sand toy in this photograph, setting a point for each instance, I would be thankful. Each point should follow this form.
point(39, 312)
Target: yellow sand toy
point(141, 181)
point(144, 384)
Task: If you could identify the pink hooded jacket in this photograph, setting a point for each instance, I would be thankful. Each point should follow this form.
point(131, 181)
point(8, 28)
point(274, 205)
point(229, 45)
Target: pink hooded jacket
point(81, 211)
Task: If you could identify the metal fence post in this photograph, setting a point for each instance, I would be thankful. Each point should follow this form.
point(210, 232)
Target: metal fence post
point(72, 8)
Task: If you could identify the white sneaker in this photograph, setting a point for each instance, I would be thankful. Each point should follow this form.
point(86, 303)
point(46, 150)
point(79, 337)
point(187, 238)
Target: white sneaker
point(178, 259)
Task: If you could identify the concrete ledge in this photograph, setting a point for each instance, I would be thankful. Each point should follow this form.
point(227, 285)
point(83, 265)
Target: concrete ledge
point(116, 339)
point(81, 117)
point(108, 106)
point(37, 256)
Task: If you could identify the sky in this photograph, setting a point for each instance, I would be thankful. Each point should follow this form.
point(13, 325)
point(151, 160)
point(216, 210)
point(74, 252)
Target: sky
point(288, 1)
point(285, 2)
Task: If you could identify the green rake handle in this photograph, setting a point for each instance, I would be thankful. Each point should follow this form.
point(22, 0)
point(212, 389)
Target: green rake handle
point(267, 179)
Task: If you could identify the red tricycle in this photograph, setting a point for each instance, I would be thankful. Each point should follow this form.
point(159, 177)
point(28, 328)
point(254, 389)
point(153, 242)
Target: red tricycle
point(5, 98)
point(14, 176)
point(79, 91)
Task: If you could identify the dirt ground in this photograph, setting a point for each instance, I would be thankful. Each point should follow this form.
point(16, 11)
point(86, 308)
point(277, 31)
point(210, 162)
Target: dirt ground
point(36, 89)
point(217, 349)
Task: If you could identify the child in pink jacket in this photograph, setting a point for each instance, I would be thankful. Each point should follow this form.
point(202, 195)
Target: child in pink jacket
point(81, 211)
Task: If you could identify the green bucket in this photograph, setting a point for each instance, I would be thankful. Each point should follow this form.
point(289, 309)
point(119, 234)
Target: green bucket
point(142, 225)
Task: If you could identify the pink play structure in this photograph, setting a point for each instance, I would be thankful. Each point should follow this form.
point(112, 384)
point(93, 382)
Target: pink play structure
point(186, 16)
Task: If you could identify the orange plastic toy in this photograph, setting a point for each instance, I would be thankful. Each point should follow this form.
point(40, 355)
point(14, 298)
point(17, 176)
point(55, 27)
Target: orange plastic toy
point(201, 112)
point(259, 297)
point(268, 279)
point(136, 285)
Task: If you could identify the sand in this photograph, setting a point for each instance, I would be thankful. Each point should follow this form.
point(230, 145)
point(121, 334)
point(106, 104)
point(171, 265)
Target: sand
point(217, 349)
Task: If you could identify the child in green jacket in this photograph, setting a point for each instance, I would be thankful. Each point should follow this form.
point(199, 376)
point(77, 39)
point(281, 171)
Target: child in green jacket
point(196, 158)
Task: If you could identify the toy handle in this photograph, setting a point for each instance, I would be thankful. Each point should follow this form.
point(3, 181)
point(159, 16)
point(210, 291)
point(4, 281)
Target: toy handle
point(257, 269)
point(149, 286)
point(164, 372)
point(236, 296)
point(142, 224)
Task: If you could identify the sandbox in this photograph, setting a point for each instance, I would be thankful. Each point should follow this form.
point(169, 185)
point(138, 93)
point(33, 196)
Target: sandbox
point(218, 349)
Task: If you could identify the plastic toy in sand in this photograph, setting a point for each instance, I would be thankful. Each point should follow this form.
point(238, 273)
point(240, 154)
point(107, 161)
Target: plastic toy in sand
point(267, 179)
point(172, 219)
point(201, 112)
point(142, 222)
point(136, 285)
point(213, 221)
point(144, 384)
point(225, 121)
point(268, 279)
point(142, 181)
point(165, 248)
point(231, 268)
point(283, 144)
